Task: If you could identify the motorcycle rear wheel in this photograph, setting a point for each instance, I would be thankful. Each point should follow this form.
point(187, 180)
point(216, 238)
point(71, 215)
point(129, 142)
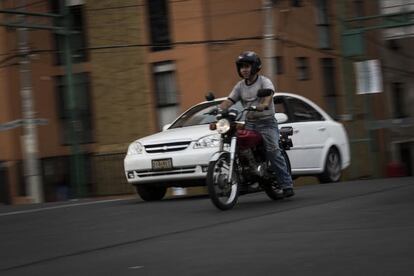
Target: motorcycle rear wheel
point(273, 190)
point(224, 195)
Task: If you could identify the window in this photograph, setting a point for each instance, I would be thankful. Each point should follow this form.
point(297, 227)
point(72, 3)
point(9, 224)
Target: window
point(323, 26)
point(77, 38)
point(159, 24)
point(329, 81)
point(205, 114)
point(393, 44)
point(165, 92)
point(406, 158)
point(302, 65)
point(279, 65)
point(4, 185)
point(359, 8)
point(280, 105)
point(303, 112)
point(83, 123)
point(296, 3)
point(397, 89)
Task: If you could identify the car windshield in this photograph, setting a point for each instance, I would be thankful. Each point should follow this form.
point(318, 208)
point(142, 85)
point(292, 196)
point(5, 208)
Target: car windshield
point(200, 115)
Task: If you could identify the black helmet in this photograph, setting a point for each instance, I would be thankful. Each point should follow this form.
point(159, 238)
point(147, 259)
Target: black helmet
point(251, 58)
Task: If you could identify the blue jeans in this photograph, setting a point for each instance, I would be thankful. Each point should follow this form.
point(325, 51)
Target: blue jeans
point(269, 130)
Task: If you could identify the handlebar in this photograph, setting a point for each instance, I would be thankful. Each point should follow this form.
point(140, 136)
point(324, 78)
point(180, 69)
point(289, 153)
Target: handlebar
point(254, 108)
point(217, 110)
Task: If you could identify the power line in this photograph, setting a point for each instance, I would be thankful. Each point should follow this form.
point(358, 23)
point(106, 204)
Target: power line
point(130, 6)
point(9, 65)
point(195, 42)
point(31, 4)
point(409, 73)
point(116, 7)
point(8, 58)
point(378, 43)
point(177, 19)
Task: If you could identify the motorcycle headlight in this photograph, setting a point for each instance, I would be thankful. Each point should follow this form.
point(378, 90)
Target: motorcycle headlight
point(223, 125)
point(135, 148)
point(210, 141)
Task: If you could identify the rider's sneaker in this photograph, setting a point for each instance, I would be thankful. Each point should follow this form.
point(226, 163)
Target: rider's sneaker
point(288, 192)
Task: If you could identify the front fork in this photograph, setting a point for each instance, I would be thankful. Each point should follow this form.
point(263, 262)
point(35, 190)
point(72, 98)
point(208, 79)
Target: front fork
point(233, 144)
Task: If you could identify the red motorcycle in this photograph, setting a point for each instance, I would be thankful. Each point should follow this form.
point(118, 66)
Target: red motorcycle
point(240, 166)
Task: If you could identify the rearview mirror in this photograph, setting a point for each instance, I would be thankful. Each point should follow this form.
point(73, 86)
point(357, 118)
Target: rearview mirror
point(281, 118)
point(210, 96)
point(165, 127)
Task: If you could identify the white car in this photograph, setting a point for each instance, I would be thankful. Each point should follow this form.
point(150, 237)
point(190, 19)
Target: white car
point(179, 155)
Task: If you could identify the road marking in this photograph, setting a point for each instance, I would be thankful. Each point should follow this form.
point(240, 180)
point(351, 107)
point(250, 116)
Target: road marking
point(60, 207)
point(136, 267)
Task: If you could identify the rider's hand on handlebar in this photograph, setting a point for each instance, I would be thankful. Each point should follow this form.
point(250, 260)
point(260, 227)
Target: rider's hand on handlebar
point(256, 108)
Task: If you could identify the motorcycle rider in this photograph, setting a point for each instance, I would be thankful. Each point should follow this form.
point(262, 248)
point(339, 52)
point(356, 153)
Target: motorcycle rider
point(248, 66)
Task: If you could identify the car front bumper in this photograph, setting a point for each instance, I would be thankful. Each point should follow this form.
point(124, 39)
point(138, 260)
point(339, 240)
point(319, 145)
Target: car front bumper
point(186, 165)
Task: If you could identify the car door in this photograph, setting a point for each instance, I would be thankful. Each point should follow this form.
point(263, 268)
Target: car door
point(295, 151)
point(309, 132)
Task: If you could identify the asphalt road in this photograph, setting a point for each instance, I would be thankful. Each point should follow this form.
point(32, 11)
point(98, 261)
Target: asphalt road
point(349, 228)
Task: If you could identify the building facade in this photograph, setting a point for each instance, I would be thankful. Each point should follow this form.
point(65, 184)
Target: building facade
point(398, 80)
point(112, 103)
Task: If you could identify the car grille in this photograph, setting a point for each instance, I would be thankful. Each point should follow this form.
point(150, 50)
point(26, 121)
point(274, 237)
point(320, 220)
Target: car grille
point(181, 170)
point(168, 147)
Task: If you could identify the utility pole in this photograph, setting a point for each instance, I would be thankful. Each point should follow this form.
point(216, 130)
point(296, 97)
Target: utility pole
point(268, 39)
point(77, 167)
point(346, 83)
point(33, 179)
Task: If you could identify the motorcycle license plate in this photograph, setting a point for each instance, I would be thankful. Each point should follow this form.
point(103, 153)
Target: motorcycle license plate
point(162, 164)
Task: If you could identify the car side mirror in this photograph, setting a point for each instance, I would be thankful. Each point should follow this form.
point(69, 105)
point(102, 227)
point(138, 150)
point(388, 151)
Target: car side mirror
point(165, 127)
point(261, 93)
point(210, 96)
point(281, 118)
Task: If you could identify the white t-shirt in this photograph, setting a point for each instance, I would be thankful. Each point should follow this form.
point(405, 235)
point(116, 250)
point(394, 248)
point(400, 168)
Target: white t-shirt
point(247, 95)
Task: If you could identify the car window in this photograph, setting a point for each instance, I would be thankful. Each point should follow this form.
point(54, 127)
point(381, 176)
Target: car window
point(280, 106)
point(303, 112)
point(199, 115)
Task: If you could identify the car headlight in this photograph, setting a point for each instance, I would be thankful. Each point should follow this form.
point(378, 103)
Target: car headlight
point(135, 148)
point(210, 141)
point(223, 125)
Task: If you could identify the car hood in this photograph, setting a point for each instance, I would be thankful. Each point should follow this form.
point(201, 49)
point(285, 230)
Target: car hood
point(192, 133)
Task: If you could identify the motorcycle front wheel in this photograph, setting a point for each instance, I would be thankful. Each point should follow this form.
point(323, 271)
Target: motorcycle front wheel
point(223, 194)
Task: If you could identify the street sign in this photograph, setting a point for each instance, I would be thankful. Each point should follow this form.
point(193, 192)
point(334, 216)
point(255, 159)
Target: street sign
point(21, 122)
point(10, 125)
point(369, 77)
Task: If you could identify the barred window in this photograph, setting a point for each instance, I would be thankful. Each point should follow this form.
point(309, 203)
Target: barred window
point(302, 65)
point(165, 92)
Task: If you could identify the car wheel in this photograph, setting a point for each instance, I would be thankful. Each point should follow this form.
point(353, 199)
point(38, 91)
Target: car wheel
point(332, 171)
point(151, 193)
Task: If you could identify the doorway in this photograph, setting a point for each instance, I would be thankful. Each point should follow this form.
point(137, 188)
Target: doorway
point(406, 157)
